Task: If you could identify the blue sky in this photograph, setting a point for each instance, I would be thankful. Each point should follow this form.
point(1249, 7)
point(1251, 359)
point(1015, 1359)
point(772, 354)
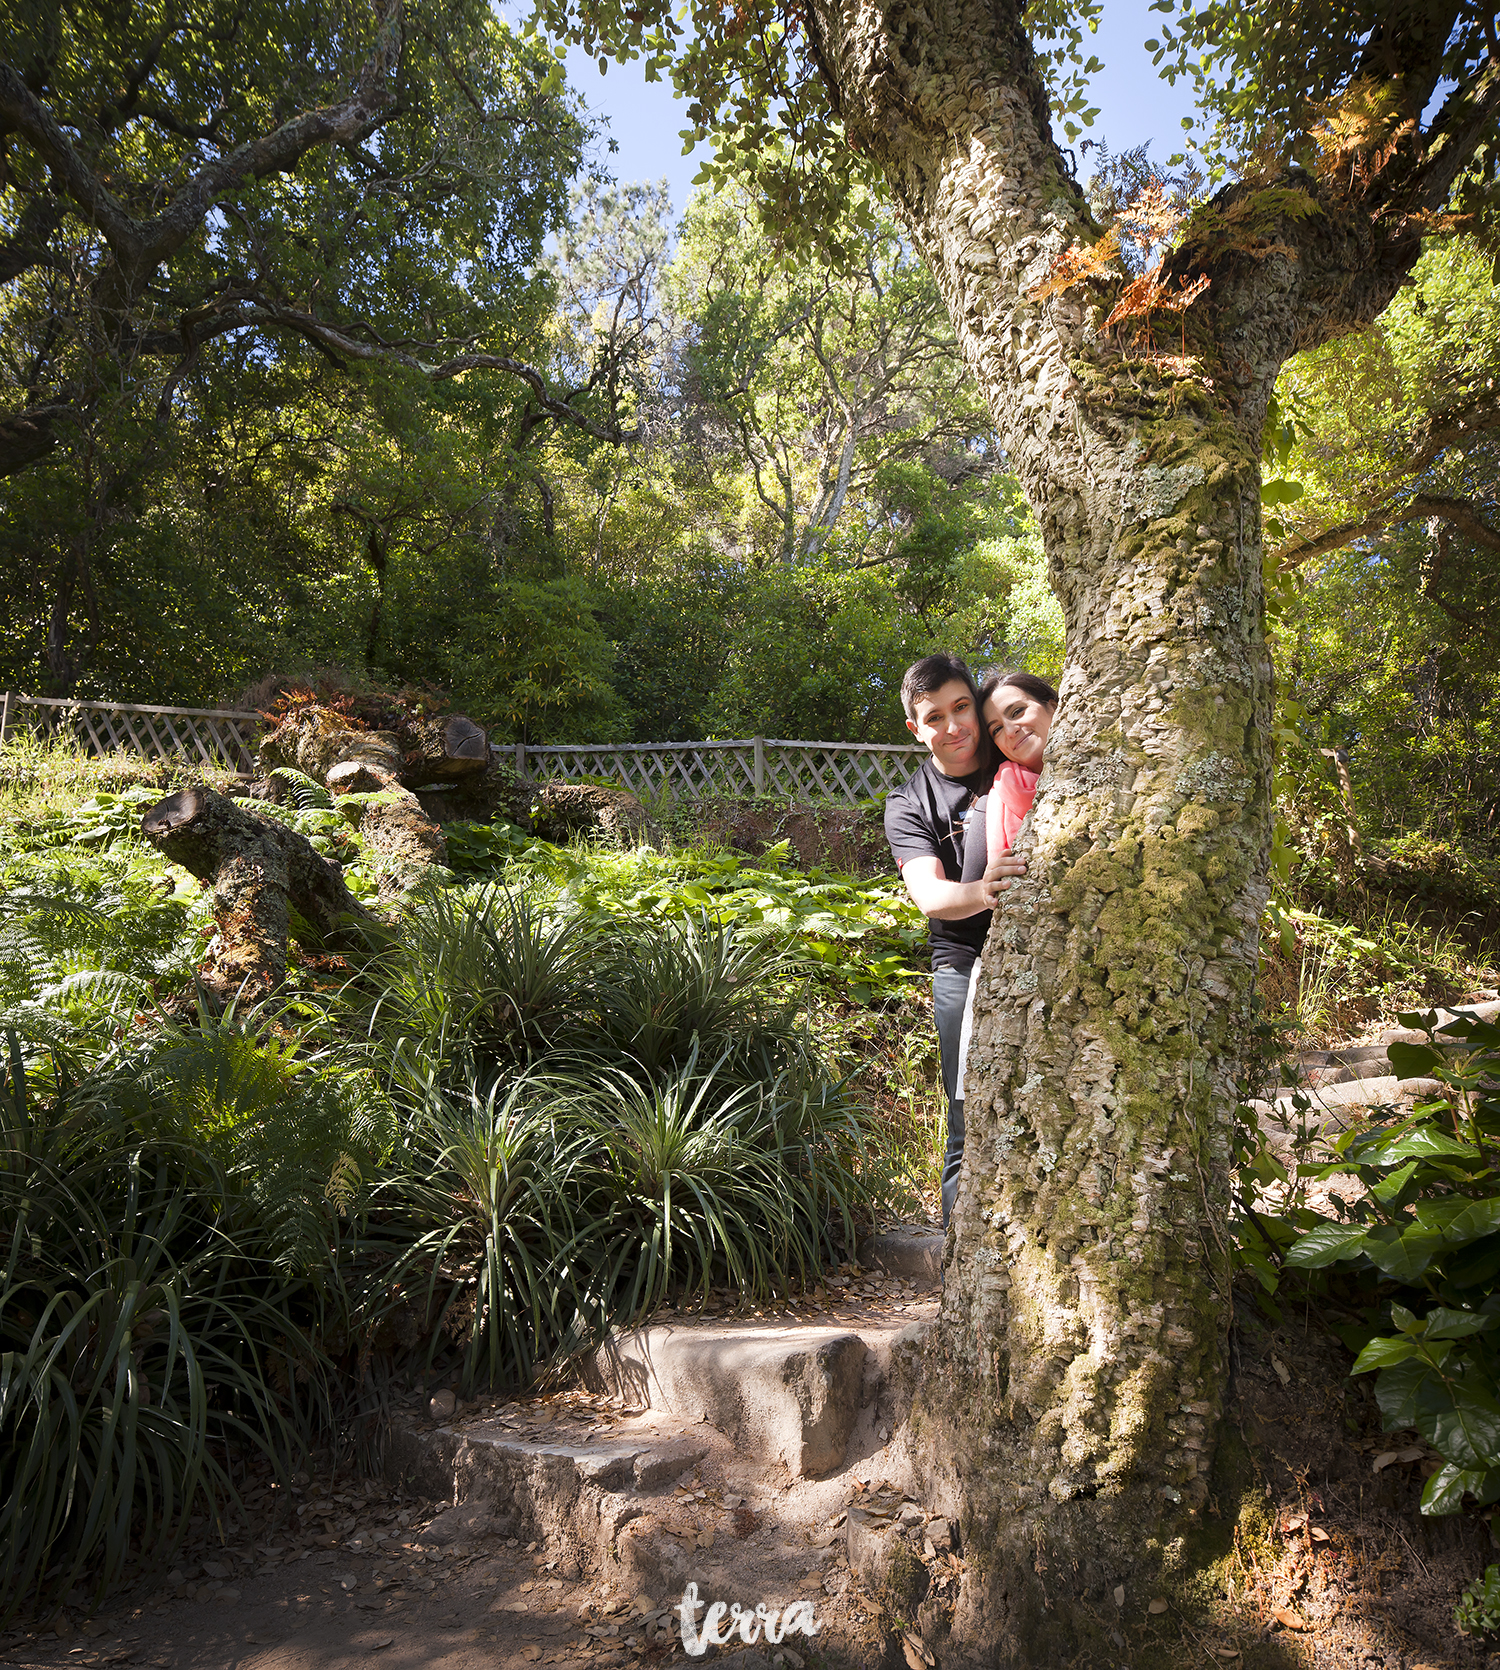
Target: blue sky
point(1135, 104)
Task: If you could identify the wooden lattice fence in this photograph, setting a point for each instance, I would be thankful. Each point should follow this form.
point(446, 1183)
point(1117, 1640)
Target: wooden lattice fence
point(793, 770)
point(199, 735)
point(752, 765)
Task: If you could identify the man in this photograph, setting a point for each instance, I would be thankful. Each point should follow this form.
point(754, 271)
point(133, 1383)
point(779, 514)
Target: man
point(924, 823)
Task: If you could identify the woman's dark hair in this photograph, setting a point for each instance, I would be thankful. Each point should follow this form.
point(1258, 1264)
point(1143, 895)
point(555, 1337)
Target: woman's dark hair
point(1037, 688)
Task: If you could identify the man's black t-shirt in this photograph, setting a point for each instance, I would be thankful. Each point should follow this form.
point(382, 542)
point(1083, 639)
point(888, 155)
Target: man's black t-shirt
point(926, 818)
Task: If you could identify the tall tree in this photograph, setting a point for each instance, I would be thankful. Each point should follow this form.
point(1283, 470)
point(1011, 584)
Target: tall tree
point(1398, 427)
point(1075, 1380)
point(325, 182)
point(824, 381)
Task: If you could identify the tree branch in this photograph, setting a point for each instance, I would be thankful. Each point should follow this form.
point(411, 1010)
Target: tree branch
point(29, 435)
point(140, 246)
point(1461, 513)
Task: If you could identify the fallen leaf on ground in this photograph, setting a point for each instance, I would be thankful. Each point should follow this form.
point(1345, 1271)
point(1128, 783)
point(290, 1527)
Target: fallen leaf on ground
point(389, 1641)
point(1227, 1652)
point(1283, 1373)
point(1287, 1618)
point(917, 1655)
point(1318, 1534)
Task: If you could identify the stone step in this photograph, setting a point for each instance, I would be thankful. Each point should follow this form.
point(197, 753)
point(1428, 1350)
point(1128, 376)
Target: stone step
point(1347, 1062)
point(789, 1395)
point(779, 1416)
point(912, 1252)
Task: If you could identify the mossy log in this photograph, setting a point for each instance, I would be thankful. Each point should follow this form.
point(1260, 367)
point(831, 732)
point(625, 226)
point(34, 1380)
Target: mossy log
point(260, 870)
point(320, 743)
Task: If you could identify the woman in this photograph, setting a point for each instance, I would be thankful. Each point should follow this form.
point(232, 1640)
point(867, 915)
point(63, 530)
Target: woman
point(1017, 709)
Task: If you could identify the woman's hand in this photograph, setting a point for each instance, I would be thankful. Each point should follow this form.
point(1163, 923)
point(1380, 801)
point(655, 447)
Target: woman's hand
point(997, 873)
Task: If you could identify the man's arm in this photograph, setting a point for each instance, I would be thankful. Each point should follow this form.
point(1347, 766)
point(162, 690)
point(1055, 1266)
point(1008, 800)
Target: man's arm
point(951, 901)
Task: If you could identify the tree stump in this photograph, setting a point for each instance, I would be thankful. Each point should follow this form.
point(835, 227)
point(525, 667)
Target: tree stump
point(259, 870)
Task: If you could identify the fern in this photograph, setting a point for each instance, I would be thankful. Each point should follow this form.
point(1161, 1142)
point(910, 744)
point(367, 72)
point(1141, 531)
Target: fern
point(307, 792)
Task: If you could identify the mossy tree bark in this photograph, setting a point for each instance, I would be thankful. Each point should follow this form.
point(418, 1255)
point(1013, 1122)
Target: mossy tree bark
point(260, 871)
point(1074, 1379)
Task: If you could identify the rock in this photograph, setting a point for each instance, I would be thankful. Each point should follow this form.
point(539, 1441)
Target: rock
point(659, 1467)
point(787, 1394)
point(441, 1405)
point(913, 1252)
point(462, 1524)
point(940, 1535)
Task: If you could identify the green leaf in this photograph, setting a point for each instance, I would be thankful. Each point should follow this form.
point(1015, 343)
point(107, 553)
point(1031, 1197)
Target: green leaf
point(1404, 1254)
point(1473, 1220)
point(1445, 1489)
point(1468, 1430)
point(1424, 1143)
point(1327, 1244)
point(1392, 1186)
point(1474, 1266)
point(1399, 1390)
point(1413, 1061)
point(1443, 1323)
point(1384, 1353)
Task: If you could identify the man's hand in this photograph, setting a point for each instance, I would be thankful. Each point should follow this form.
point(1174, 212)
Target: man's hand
point(951, 901)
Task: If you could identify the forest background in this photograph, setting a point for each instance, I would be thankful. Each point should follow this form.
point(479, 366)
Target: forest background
point(686, 481)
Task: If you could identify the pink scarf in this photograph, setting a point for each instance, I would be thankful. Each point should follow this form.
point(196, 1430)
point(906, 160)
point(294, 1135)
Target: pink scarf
point(1010, 800)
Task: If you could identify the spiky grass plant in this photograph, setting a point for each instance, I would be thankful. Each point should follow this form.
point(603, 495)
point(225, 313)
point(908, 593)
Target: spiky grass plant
point(484, 979)
point(710, 1181)
point(694, 987)
point(488, 1198)
point(142, 1330)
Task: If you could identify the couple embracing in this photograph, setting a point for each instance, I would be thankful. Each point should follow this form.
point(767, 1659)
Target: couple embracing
point(951, 829)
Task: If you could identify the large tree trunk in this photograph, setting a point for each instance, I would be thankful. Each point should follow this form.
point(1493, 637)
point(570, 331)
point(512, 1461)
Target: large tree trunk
point(1074, 1380)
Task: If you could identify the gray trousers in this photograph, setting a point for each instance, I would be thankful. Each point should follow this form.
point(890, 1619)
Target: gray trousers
point(950, 993)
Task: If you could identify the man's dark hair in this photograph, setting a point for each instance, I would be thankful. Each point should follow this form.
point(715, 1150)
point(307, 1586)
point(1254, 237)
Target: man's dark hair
point(931, 673)
point(1037, 688)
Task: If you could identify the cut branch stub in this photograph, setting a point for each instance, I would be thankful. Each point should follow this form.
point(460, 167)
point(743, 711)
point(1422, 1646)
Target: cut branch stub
point(258, 869)
point(443, 750)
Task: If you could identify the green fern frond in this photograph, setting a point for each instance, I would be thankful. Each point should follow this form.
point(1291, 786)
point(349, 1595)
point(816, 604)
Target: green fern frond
point(307, 792)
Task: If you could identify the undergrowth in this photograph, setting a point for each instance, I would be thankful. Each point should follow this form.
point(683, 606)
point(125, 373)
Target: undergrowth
point(560, 1095)
point(576, 1083)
